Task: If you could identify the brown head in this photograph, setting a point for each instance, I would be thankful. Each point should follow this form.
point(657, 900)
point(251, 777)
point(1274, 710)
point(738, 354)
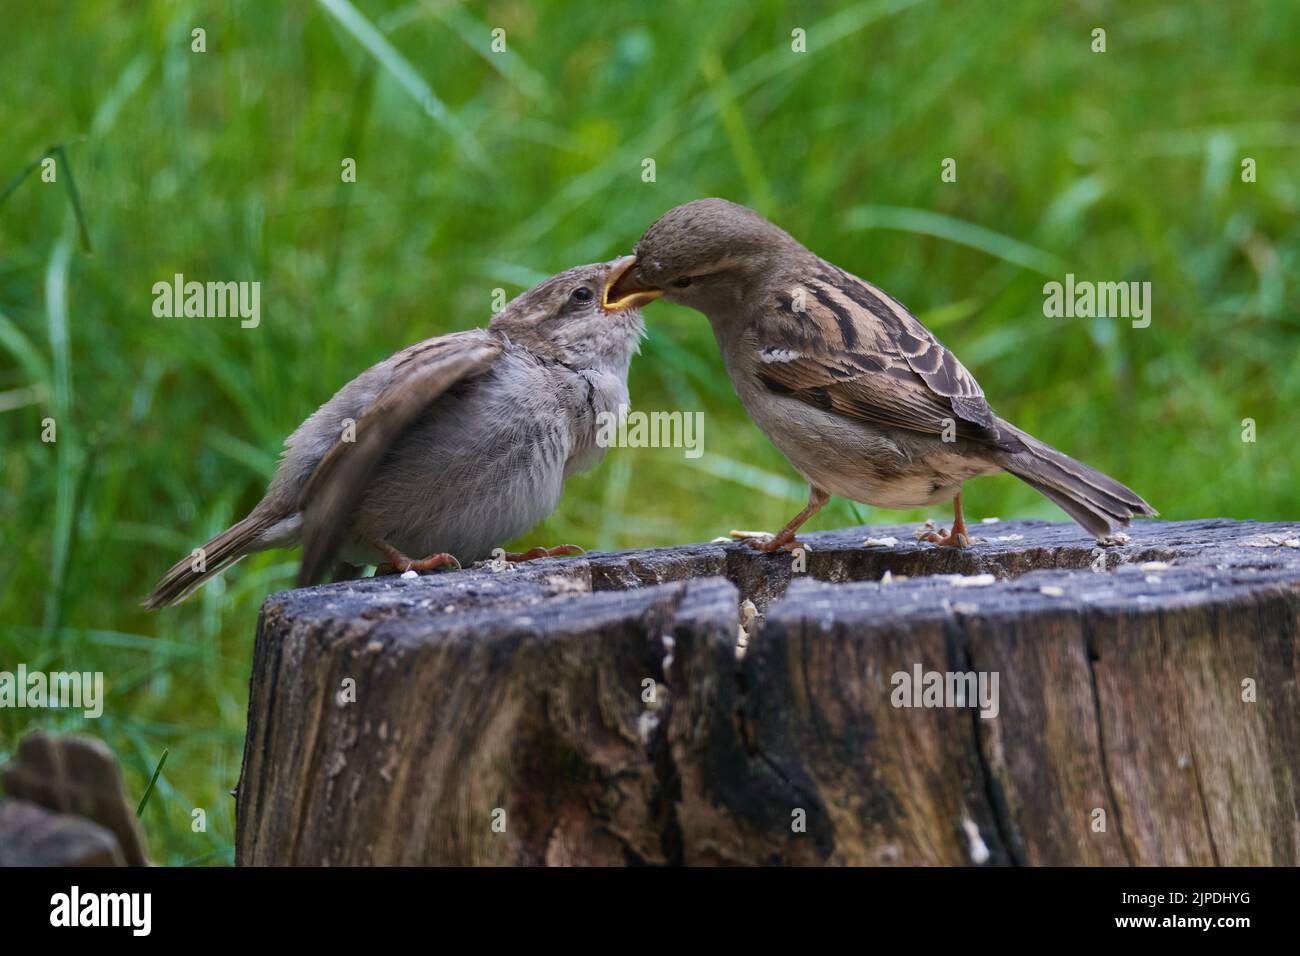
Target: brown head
point(570, 319)
point(707, 254)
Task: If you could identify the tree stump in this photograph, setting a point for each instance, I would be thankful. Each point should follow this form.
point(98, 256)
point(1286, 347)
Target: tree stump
point(611, 709)
point(66, 805)
point(31, 835)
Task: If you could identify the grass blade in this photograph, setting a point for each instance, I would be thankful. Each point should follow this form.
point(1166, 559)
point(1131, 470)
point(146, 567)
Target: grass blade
point(928, 223)
point(56, 305)
point(18, 180)
point(75, 197)
point(401, 70)
point(59, 153)
point(148, 791)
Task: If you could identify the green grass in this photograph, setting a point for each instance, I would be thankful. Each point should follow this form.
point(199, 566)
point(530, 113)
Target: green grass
point(478, 170)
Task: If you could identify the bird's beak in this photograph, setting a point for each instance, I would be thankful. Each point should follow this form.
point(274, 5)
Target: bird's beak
point(622, 291)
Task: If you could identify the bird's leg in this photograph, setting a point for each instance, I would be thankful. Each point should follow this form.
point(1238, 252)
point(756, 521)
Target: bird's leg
point(957, 537)
point(399, 563)
point(785, 537)
point(562, 550)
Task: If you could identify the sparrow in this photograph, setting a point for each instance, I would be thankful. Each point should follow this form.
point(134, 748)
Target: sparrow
point(857, 394)
point(449, 448)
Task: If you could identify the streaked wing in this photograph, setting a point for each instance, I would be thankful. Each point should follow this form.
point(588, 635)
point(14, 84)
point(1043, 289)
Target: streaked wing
point(856, 350)
point(331, 496)
point(858, 385)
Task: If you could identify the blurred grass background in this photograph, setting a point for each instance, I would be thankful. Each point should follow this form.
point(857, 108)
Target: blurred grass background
point(477, 170)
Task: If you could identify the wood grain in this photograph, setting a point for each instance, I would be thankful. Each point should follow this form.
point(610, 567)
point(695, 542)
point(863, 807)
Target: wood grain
point(500, 718)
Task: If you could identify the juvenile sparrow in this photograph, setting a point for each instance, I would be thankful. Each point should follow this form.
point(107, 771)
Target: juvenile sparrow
point(449, 448)
point(849, 386)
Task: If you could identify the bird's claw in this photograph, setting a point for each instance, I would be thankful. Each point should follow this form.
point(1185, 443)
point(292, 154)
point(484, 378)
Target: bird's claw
point(561, 550)
point(947, 539)
point(769, 543)
point(401, 564)
point(443, 560)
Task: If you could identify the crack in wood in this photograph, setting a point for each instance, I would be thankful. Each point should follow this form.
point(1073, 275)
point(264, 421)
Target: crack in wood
point(522, 689)
point(1092, 655)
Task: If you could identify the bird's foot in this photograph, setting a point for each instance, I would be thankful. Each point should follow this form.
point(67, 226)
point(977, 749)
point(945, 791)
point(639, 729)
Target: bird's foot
point(948, 539)
point(399, 563)
point(956, 538)
point(562, 550)
point(442, 560)
point(769, 543)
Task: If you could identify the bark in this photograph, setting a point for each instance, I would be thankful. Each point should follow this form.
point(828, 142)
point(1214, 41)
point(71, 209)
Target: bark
point(595, 710)
point(31, 835)
point(68, 806)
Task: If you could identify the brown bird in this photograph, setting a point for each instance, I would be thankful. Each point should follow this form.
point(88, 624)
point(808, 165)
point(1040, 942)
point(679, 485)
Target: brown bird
point(449, 448)
point(860, 397)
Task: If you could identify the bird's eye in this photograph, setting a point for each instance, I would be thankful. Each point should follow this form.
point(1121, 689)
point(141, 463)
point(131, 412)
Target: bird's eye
point(681, 283)
point(582, 294)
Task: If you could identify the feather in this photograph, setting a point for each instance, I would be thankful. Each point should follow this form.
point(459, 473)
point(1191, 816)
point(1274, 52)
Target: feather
point(865, 356)
point(331, 495)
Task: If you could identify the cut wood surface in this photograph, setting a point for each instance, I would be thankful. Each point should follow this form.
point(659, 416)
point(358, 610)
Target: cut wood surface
point(598, 710)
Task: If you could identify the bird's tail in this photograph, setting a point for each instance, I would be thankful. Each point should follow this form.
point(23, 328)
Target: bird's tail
point(206, 562)
point(1096, 501)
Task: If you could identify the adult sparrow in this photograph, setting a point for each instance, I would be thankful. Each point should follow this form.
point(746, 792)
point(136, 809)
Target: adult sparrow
point(849, 386)
point(449, 448)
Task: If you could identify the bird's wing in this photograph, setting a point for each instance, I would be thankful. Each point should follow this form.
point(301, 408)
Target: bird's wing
point(420, 375)
point(838, 342)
